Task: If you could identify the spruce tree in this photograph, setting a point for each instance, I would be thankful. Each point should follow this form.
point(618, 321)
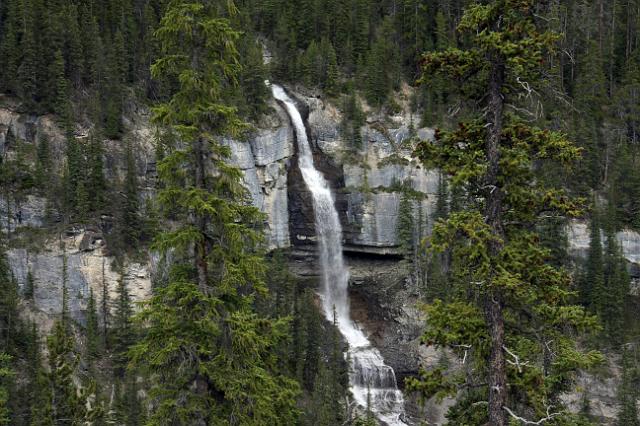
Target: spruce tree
point(27, 69)
point(254, 73)
point(59, 101)
point(593, 288)
point(628, 390)
point(64, 315)
point(43, 165)
point(591, 98)
point(73, 44)
point(66, 406)
point(122, 328)
point(104, 308)
point(9, 319)
point(10, 46)
point(405, 227)
point(616, 290)
point(206, 350)
point(514, 306)
point(6, 378)
point(95, 185)
point(29, 286)
point(73, 176)
point(93, 333)
point(131, 221)
point(332, 72)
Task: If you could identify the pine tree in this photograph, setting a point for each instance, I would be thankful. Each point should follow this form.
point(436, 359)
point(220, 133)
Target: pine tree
point(591, 98)
point(131, 221)
point(376, 82)
point(112, 90)
point(6, 378)
point(82, 206)
point(616, 289)
point(95, 185)
point(122, 328)
point(93, 333)
point(628, 391)
point(593, 288)
point(353, 120)
point(29, 288)
point(72, 177)
point(42, 407)
point(43, 165)
point(324, 397)
point(254, 73)
point(9, 320)
point(10, 47)
point(208, 352)
point(405, 227)
point(128, 406)
point(332, 71)
point(510, 286)
point(73, 44)
point(66, 407)
point(59, 102)
point(104, 308)
point(442, 201)
point(27, 68)
point(312, 335)
point(64, 315)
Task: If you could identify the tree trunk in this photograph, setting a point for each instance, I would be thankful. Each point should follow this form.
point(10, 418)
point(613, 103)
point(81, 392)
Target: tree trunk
point(493, 303)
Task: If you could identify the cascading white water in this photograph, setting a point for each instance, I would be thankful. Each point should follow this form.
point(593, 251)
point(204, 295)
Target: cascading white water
point(371, 380)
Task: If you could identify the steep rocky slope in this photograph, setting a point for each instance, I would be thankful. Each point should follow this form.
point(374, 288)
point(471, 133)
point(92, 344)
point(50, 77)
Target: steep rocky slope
point(368, 188)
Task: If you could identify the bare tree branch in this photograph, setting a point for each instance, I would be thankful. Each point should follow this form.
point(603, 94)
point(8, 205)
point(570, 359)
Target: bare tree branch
point(550, 416)
point(516, 360)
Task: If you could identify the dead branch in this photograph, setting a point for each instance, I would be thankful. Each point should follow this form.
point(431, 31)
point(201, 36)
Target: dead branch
point(550, 416)
point(516, 360)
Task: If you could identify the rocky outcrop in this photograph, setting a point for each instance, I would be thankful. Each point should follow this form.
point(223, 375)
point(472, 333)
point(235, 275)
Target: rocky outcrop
point(81, 256)
point(368, 184)
point(264, 159)
point(579, 234)
point(40, 245)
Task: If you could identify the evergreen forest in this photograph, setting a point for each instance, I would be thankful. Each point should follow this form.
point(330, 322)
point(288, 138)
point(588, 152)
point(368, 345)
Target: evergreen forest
point(163, 259)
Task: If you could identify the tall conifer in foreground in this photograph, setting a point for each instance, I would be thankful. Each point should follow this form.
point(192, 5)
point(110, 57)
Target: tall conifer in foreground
point(510, 327)
point(207, 353)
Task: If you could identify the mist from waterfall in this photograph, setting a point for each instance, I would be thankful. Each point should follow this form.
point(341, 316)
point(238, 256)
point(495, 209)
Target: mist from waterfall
point(370, 378)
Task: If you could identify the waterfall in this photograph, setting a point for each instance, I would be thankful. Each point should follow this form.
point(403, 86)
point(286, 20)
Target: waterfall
point(371, 380)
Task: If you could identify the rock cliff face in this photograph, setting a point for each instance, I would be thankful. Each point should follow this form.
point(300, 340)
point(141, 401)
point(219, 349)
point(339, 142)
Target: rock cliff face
point(368, 187)
point(578, 234)
point(87, 267)
point(39, 252)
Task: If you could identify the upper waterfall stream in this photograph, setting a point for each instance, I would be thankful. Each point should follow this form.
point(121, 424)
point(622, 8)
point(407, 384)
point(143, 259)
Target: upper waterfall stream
point(370, 378)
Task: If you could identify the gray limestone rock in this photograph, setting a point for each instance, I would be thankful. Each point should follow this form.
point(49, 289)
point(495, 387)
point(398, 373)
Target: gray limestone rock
point(28, 212)
point(578, 235)
point(272, 145)
point(85, 269)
